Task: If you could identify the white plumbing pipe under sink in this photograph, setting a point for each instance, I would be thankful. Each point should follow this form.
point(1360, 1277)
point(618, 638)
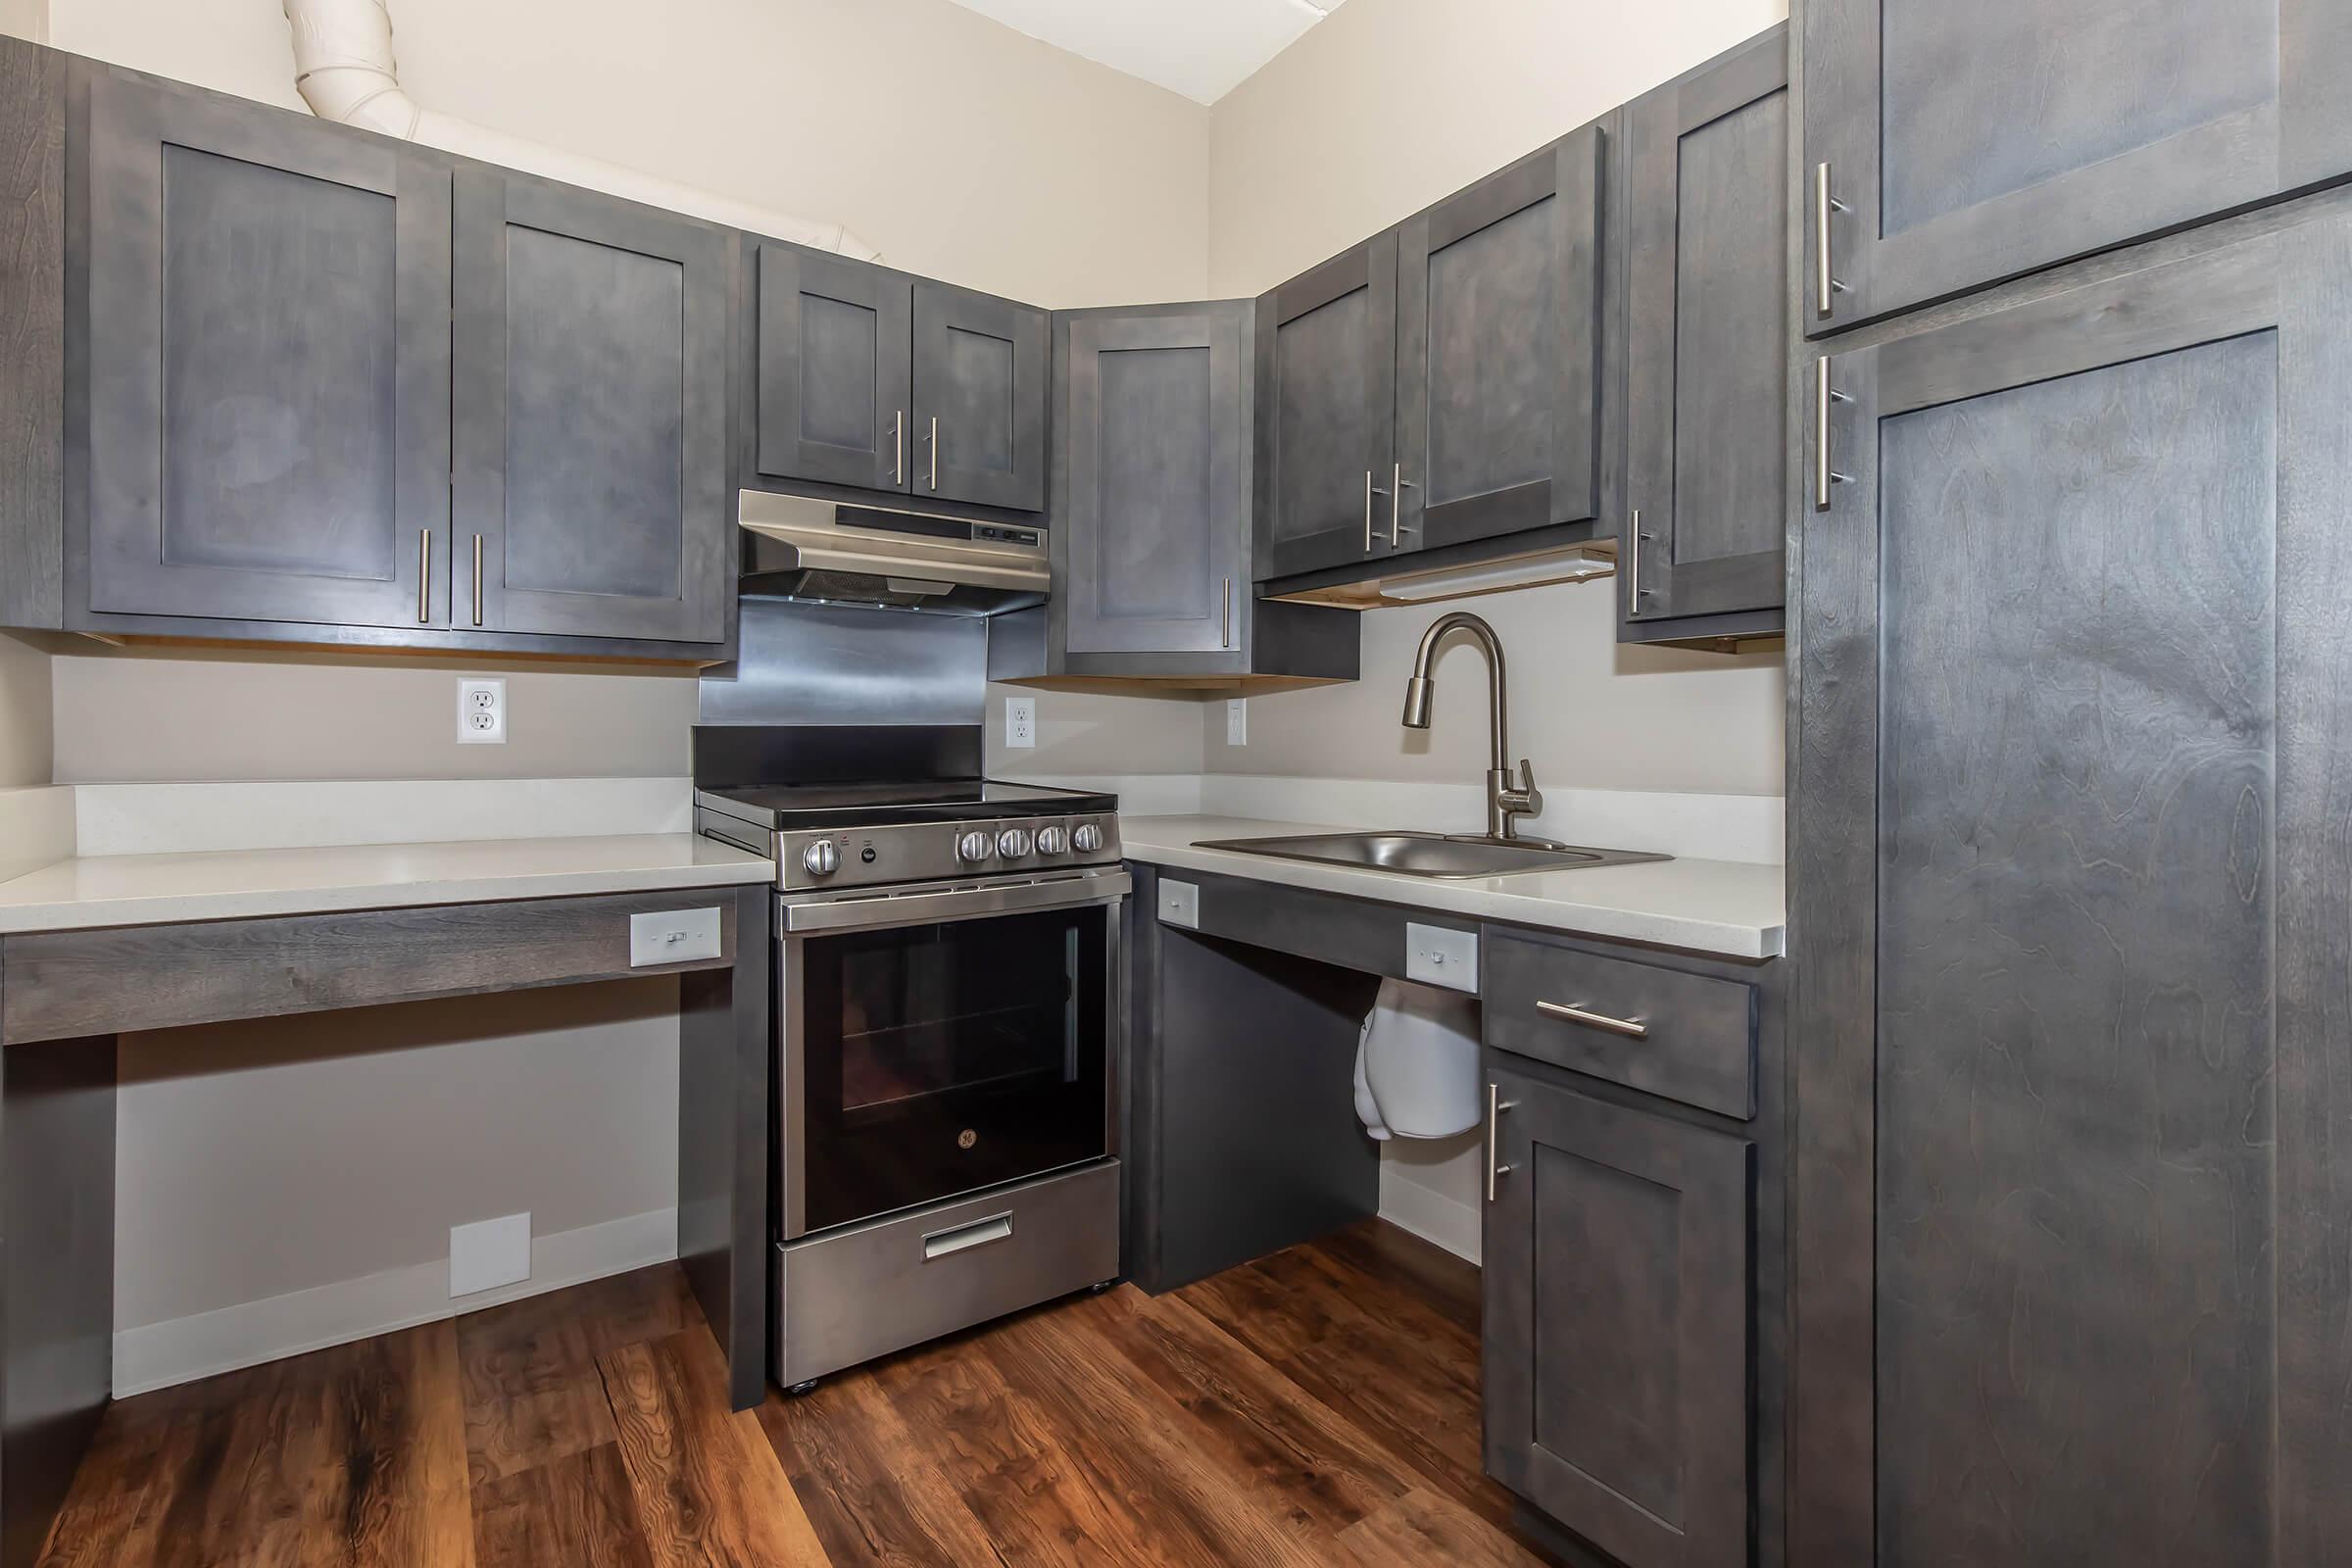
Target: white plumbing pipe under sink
point(344, 70)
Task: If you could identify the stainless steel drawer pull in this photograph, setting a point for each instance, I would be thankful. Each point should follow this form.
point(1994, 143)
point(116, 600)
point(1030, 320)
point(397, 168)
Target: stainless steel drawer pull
point(1826, 286)
point(1631, 1028)
point(1367, 512)
point(477, 579)
point(963, 1238)
point(1495, 1106)
point(898, 448)
point(935, 452)
point(424, 575)
point(1824, 396)
point(1225, 637)
point(1398, 484)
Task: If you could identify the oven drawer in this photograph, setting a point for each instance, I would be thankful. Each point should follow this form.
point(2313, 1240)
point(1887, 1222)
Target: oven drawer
point(848, 1296)
point(1666, 1032)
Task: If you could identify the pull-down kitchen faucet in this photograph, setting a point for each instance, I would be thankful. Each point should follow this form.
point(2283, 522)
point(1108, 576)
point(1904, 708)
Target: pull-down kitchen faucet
point(1506, 799)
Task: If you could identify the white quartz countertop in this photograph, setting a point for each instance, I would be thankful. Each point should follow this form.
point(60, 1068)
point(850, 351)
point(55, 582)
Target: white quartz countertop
point(1727, 907)
point(110, 890)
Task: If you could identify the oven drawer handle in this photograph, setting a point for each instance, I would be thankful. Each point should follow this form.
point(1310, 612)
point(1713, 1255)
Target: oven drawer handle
point(960, 903)
point(963, 1238)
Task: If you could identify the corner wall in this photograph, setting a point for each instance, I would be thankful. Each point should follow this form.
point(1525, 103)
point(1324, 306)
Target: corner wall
point(1378, 111)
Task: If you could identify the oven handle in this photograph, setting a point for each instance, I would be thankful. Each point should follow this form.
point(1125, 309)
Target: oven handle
point(958, 903)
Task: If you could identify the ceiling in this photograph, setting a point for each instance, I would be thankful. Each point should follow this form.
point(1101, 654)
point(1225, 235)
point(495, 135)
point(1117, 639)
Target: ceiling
point(1201, 48)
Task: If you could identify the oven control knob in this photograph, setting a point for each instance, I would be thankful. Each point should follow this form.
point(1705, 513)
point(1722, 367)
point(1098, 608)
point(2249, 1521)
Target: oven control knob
point(1013, 843)
point(1086, 838)
point(821, 858)
point(1051, 840)
point(973, 847)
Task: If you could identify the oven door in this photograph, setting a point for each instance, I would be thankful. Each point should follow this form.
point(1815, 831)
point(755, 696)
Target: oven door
point(940, 1040)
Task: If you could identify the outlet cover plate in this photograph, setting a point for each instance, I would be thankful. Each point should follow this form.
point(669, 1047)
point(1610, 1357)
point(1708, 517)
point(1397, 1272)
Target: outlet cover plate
point(1020, 722)
point(1180, 903)
point(1439, 956)
point(1237, 720)
point(673, 936)
point(481, 711)
point(489, 1253)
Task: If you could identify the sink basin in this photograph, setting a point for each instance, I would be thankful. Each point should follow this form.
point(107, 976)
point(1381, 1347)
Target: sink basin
point(1430, 855)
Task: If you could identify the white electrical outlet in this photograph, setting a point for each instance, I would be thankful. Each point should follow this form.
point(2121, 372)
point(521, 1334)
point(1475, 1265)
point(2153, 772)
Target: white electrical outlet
point(1439, 956)
point(1020, 722)
point(492, 1253)
point(1237, 720)
point(481, 711)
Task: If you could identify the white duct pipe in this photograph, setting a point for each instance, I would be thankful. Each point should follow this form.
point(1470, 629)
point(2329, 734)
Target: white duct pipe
point(344, 70)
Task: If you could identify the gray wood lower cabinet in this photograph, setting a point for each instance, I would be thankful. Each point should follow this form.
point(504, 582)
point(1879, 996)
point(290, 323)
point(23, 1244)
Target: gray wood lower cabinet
point(2073, 772)
point(1700, 545)
point(1617, 1278)
point(591, 415)
point(1960, 146)
point(264, 418)
point(1151, 522)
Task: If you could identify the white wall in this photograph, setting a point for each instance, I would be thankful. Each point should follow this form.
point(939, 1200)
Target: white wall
point(1375, 112)
point(259, 1161)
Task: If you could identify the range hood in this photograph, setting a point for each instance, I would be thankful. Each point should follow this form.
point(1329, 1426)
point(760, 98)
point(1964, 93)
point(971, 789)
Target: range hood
point(798, 547)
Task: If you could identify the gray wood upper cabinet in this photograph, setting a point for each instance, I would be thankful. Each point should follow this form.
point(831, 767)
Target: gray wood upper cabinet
point(878, 380)
point(979, 399)
point(1960, 146)
point(590, 407)
point(265, 300)
point(2073, 772)
point(1498, 355)
point(1151, 501)
point(1707, 342)
point(1618, 1254)
point(1326, 413)
point(835, 383)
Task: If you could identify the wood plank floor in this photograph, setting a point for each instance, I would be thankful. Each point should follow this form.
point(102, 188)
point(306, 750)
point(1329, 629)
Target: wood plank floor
point(1318, 1407)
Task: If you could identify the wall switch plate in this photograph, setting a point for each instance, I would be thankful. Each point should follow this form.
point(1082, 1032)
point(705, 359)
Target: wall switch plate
point(673, 936)
point(1180, 903)
point(1237, 720)
point(481, 711)
point(492, 1253)
point(1020, 722)
point(1439, 956)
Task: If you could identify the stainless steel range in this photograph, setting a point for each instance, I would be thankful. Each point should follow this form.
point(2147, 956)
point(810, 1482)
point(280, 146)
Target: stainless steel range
point(948, 1021)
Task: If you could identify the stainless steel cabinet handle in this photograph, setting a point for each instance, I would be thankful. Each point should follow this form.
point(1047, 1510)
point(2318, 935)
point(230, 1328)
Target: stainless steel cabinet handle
point(1824, 395)
point(1636, 592)
point(424, 575)
point(935, 452)
point(1495, 1106)
point(898, 447)
point(1631, 1028)
point(1397, 485)
point(1825, 287)
point(1367, 512)
point(477, 579)
point(1225, 636)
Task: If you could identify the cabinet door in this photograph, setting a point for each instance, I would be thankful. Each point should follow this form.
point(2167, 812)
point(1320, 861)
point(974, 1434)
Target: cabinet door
point(1155, 495)
point(980, 398)
point(1498, 354)
point(1960, 146)
point(2077, 948)
point(1707, 309)
point(591, 416)
point(835, 377)
point(1327, 412)
point(1617, 1325)
point(268, 338)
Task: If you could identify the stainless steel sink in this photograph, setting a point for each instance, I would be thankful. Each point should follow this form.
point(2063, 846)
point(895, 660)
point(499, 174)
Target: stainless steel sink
point(1430, 855)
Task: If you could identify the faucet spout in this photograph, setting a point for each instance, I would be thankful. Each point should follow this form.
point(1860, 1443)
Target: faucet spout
point(1507, 799)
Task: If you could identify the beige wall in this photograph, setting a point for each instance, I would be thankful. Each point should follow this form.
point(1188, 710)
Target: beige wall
point(26, 748)
point(25, 19)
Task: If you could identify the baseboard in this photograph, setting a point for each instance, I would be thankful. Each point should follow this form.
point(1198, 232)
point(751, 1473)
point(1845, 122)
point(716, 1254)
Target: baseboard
point(1428, 1214)
point(184, 1350)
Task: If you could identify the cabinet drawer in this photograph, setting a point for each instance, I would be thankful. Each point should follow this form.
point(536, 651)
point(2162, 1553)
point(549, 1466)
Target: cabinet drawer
point(1667, 1032)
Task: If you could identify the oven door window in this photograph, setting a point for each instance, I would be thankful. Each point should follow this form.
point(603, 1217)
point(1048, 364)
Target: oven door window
point(939, 1059)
